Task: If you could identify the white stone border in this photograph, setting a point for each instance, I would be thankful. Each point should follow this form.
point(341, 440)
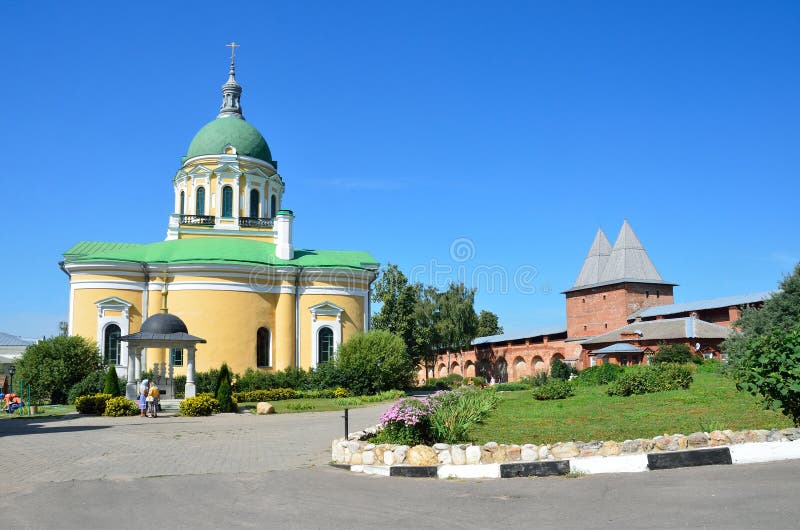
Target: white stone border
point(746, 453)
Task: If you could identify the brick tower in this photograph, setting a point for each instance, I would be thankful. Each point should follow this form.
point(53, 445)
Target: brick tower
point(613, 283)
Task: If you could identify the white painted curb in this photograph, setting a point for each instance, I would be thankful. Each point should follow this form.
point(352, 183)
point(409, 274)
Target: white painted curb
point(609, 464)
point(469, 471)
point(751, 453)
point(747, 453)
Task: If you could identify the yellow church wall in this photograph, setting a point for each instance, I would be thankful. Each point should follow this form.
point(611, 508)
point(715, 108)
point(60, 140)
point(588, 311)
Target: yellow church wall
point(229, 321)
point(84, 310)
point(352, 320)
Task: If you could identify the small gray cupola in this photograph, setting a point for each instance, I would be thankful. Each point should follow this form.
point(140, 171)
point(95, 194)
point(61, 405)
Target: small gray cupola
point(231, 91)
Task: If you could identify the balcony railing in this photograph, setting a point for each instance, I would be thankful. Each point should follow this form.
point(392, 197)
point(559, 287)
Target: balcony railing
point(203, 220)
point(255, 222)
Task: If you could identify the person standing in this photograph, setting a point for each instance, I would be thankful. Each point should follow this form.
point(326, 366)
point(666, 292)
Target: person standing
point(143, 399)
point(152, 396)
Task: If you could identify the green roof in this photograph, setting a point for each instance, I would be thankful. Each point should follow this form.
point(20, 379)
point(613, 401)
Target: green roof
point(216, 135)
point(215, 250)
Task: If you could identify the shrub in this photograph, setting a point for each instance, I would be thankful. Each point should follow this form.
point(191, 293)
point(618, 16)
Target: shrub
point(674, 353)
point(561, 370)
point(120, 406)
point(300, 405)
point(538, 379)
point(507, 387)
point(111, 384)
point(223, 394)
point(553, 389)
point(341, 393)
point(326, 375)
point(326, 393)
point(454, 380)
point(649, 379)
point(770, 367)
point(200, 405)
point(206, 382)
point(437, 384)
point(274, 394)
point(88, 386)
point(95, 404)
point(375, 361)
point(53, 366)
point(599, 375)
point(456, 412)
point(386, 395)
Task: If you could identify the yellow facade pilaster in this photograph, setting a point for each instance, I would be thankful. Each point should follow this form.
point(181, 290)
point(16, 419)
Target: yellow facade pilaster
point(285, 332)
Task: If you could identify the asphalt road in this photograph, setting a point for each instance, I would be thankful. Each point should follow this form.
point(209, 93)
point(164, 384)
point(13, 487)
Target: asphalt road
point(248, 471)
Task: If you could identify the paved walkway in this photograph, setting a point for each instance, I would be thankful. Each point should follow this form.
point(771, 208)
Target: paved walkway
point(83, 448)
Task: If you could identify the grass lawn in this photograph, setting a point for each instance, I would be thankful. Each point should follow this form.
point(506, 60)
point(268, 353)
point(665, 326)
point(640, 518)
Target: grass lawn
point(712, 402)
point(312, 405)
point(45, 411)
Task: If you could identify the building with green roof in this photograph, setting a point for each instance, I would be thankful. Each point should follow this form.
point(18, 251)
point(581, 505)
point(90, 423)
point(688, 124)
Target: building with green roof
point(228, 269)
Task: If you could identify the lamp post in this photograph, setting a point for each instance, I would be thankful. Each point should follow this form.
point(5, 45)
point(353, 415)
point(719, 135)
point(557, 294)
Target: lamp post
point(11, 372)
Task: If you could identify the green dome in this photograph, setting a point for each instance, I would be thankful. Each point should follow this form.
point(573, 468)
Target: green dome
point(215, 135)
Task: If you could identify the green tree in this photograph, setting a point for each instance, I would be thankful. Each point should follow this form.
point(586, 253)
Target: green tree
point(52, 366)
point(770, 367)
point(224, 394)
point(457, 323)
point(426, 336)
point(780, 311)
point(488, 324)
point(375, 361)
point(398, 300)
point(111, 385)
point(673, 353)
point(560, 370)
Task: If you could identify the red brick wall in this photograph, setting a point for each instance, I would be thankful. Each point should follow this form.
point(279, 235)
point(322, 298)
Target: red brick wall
point(521, 358)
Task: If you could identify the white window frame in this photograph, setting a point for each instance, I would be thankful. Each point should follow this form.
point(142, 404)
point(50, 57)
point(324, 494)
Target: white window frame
point(325, 309)
point(103, 321)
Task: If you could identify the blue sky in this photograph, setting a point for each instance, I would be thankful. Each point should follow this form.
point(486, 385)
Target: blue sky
point(506, 130)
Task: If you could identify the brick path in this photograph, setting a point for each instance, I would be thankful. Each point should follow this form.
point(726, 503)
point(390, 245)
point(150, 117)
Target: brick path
point(84, 448)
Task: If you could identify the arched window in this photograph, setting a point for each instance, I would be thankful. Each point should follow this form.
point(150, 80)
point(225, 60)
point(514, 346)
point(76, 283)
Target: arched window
point(324, 345)
point(200, 202)
point(273, 204)
point(262, 348)
point(254, 200)
point(183, 201)
point(111, 344)
point(227, 201)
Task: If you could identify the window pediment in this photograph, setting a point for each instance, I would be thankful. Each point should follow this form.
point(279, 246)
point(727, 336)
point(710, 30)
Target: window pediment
point(326, 309)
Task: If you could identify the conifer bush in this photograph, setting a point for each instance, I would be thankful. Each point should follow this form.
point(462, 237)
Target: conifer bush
point(224, 394)
point(112, 382)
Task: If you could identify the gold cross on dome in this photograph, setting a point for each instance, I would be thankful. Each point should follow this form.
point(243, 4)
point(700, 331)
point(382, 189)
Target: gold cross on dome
point(233, 47)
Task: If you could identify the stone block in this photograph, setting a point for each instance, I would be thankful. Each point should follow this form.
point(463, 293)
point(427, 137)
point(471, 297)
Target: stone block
point(697, 439)
point(458, 455)
point(355, 459)
point(444, 457)
point(388, 458)
point(368, 458)
point(529, 453)
point(513, 453)
point(717, 438)
point(473, 454)
point(563, 451)
point(610, 448)
point(422, 455)
point(262, 407)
